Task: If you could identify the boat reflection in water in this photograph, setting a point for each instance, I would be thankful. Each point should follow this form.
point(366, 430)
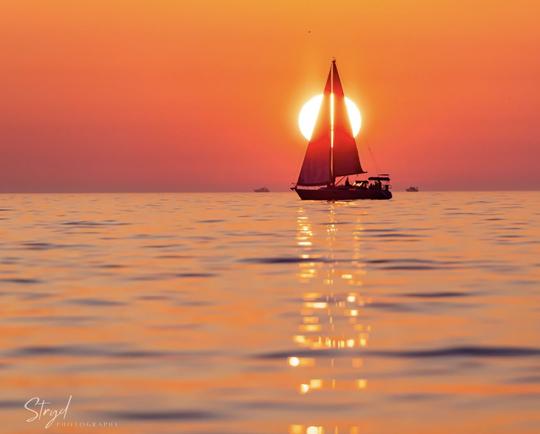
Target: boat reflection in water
point(331, 333)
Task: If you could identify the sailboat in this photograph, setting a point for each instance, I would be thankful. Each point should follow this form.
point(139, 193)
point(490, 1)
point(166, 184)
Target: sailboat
point(332, 156)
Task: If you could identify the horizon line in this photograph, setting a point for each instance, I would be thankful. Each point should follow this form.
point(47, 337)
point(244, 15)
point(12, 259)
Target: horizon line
point(248, 191)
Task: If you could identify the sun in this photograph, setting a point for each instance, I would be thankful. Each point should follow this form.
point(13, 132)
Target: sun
point(310, 110)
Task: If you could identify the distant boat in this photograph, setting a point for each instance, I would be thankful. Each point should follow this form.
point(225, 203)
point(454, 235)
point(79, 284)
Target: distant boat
point(332, 156)
point(262, 190)
point(412, 188)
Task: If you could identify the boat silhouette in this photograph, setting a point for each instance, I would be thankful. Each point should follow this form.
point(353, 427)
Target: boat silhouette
point(332, 156)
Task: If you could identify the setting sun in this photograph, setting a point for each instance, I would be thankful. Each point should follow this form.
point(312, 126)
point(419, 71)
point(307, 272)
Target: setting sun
point(310, 110)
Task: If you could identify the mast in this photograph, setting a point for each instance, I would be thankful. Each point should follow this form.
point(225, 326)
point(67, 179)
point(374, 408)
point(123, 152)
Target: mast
point(332, 177)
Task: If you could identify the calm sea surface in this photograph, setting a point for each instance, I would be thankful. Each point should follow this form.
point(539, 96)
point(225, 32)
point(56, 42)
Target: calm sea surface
point(259, 313)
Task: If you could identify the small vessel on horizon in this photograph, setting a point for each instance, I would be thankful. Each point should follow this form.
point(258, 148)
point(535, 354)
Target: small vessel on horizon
point(412, 189)
point(261, 190)
point(332, 156)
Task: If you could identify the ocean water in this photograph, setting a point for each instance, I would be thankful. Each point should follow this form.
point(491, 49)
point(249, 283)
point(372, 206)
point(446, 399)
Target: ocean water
point(260, 313)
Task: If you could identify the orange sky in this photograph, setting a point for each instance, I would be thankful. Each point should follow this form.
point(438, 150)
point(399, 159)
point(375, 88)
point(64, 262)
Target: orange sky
point(203, 95)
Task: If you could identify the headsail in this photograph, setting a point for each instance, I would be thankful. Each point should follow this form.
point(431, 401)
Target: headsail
point(316, 166)
point(345, 153)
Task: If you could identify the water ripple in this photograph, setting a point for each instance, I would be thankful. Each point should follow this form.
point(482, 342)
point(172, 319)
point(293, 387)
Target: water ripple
point(21, 280)
point(441, 294)
point(93, 351)
point(162, 415)
point(464, 351)
point(33, 245)
point(281, 260)
point(89, 223)
point(94, 302)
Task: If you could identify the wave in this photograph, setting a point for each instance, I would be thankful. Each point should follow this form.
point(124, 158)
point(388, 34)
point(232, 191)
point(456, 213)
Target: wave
point(162, 415)
point(463, 351)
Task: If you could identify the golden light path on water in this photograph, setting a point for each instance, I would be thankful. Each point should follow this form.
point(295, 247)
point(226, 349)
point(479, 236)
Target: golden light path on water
point(331, 319)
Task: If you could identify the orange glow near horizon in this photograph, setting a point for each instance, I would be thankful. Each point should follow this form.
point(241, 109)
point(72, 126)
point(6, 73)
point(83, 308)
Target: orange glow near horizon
point(197, 95)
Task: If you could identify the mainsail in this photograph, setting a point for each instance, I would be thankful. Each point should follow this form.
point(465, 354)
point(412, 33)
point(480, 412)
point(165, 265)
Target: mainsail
point(331, 152)
point(316, 166)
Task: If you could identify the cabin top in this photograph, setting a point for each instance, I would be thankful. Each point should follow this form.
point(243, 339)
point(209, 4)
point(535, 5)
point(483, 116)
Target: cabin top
point(379, 178)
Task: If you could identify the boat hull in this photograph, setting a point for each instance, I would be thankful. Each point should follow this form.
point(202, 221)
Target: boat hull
point(333, 193)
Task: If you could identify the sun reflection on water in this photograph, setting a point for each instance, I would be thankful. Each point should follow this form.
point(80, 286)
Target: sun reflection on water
point(318, 429)
point(331, 316)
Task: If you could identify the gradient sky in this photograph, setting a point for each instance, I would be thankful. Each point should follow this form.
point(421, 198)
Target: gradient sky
point(203, 95)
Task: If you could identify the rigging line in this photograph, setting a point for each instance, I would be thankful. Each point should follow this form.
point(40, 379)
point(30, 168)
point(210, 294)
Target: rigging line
point(377, 168)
